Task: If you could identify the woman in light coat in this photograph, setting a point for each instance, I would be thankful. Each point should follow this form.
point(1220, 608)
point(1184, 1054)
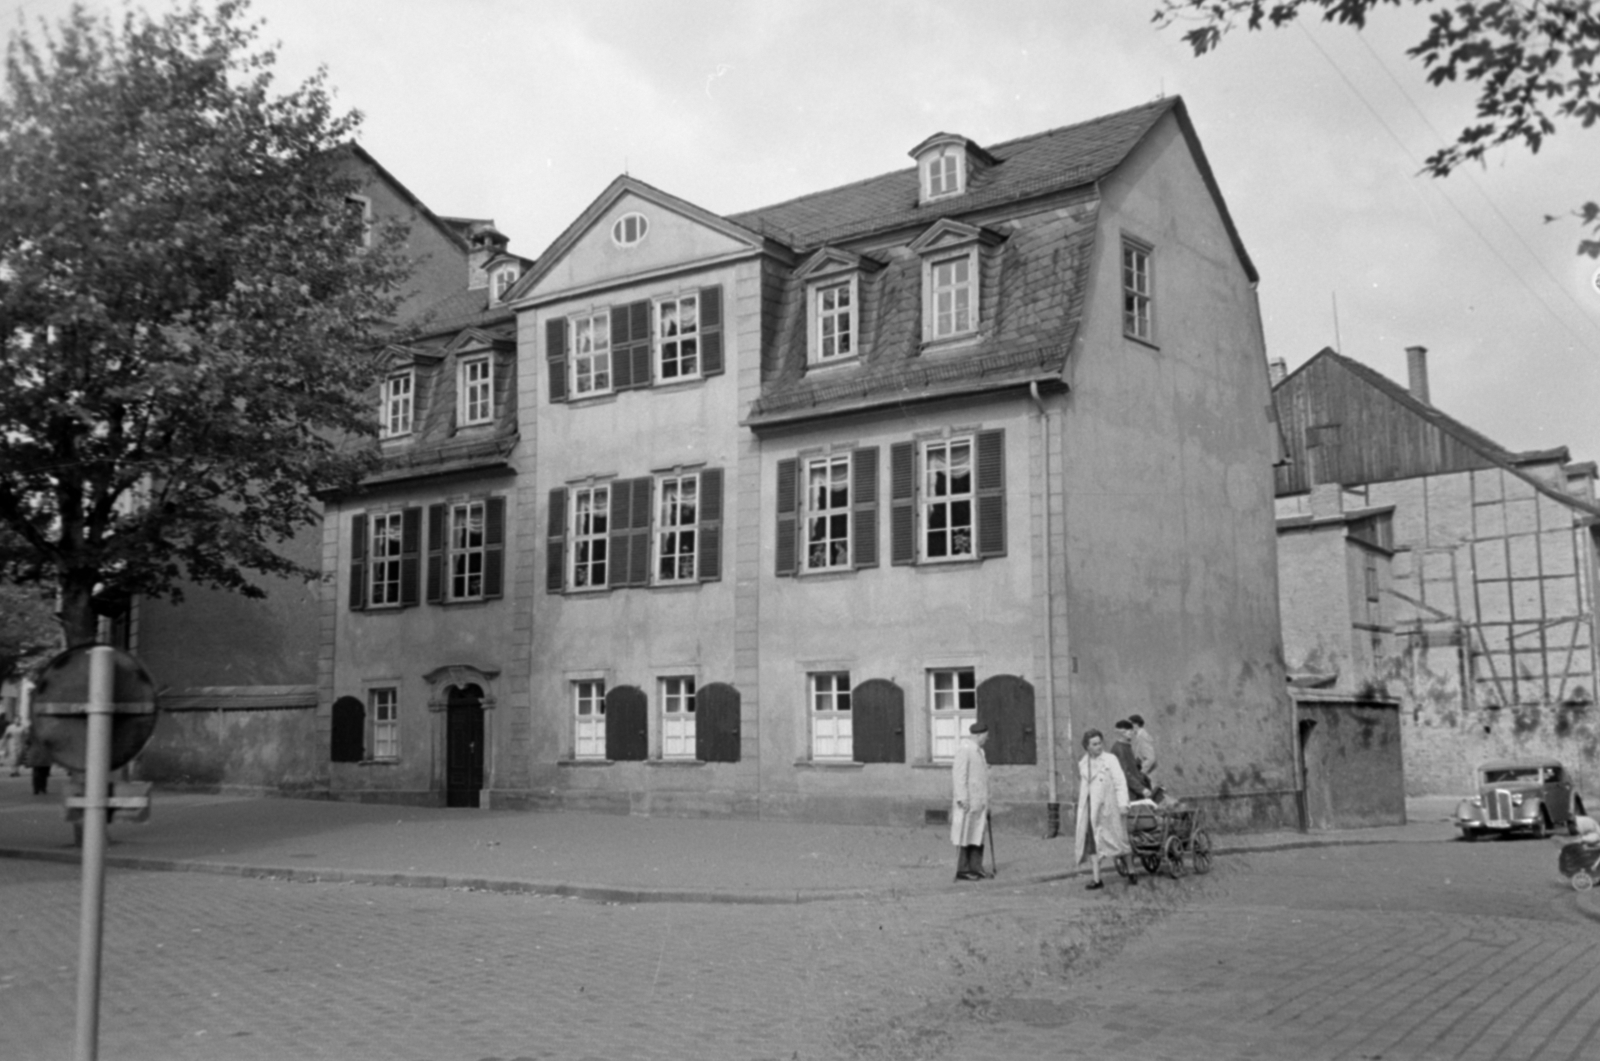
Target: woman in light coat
point(1102, 799)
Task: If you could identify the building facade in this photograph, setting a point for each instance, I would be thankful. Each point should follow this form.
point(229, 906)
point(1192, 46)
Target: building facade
point(1482, 629)
point(801, 492)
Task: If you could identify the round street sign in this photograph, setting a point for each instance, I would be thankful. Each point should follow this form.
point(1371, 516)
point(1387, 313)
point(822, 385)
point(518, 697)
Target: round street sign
point(61, 707)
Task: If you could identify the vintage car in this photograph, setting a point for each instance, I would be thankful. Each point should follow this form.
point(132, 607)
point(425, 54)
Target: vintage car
point(1524, 795)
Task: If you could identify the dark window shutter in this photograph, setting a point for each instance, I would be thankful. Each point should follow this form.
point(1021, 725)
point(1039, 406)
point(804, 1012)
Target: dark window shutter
point(629, 550)
point(627, 736)
point(639, 537)
point(991, 493)
point(708, 565)
point(716, 726)
point(1005, 705)
point(630, 345)
point(864, 506)
point(555, 352)
point(555, 564)
point(358, 560)
point(788, 482)
point(494, 546)
point(878, 722)
point(711, 330)
point(349, 730)
point(902, 503)
point(410, 555)
point(435, 577)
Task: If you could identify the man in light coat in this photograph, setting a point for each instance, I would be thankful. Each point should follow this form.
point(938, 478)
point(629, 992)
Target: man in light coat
point(969, 813)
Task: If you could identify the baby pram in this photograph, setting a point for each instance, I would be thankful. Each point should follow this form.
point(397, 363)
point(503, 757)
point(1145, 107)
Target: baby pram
point(1580, 863)
point(1166, 839)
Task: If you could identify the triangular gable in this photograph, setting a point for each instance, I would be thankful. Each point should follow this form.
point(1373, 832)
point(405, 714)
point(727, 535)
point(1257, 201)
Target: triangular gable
point(947, 232)
point(830, 261)
point(473, 339)
point(396, 357)
point(679, 233)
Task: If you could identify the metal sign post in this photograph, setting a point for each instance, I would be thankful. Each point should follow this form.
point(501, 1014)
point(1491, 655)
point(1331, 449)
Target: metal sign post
point(96, 774)
point(93, 708)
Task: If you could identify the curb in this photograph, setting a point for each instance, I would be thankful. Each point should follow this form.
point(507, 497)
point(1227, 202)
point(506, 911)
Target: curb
point(600, 893)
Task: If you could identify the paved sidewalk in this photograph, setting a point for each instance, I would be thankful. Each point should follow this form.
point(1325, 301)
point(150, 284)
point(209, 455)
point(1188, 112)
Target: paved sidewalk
point(594, 856)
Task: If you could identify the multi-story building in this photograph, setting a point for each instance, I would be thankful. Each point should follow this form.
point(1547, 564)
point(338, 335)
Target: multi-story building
point(1467, 594)
point(796, 494)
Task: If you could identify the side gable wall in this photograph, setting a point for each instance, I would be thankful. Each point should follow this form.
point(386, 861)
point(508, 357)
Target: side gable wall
point(1172, 589)
point(1341, 429)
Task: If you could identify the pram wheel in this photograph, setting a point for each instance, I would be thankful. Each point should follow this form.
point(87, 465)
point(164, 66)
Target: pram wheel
point(1200, 849)
point(1151, 862)
point(1581, 881)
point(1172, 857)
point(1120, 862)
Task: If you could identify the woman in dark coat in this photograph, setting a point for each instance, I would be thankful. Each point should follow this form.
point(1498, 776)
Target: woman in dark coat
point(36, 756)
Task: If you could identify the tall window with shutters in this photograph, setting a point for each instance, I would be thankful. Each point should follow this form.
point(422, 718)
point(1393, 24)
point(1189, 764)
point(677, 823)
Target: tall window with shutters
point(635, 345)
point(827, 516)
point(384, 710)
point(948, 499)
point(650, 531)
point(676, 520)
point(466, 550)
point(388, 546)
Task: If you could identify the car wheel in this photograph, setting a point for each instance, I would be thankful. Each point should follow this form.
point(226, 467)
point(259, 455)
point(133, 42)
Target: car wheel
point(1581, 881)
point(1469, 835)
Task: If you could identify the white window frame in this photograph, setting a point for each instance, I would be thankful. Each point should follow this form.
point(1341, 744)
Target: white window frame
point(1138, 291)
point(589, 718)
point(678, 353)
point(397, 405)
point(501, 281)
point(821, 513)
point(947, 505)
point(589, 531)
point(676, 695)
point(383, 708)
point(385, 552)
point(475, 390)
point(957, 290)
point(832, 718)
point(466, 532)
point(952, 707)
point(591, 368)
point(630, 229)
point(943, 174)
point(675, 529)
point(821, 315)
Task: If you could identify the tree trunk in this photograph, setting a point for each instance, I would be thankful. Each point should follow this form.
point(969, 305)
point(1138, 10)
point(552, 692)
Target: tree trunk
point(77, 611)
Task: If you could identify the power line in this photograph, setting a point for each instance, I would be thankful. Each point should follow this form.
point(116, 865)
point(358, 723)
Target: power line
point(1445, 194)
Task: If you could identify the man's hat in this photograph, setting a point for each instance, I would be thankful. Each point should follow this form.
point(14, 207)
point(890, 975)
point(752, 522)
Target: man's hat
point(1123, 723)
point(1137, 720)
point(979, 727)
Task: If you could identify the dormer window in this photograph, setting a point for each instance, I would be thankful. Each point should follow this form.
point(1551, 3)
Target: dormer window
point(500, 282)
point(629, 229)
point(833, 304)
point(475, 390)
point(946, 164)
point(952, 271)
point(396, 408)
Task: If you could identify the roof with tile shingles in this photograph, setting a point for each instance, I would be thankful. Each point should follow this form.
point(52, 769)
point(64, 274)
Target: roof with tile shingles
point(1032, 286)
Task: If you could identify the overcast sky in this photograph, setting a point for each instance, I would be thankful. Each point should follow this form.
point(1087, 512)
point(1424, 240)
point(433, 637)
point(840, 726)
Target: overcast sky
point(525, 111)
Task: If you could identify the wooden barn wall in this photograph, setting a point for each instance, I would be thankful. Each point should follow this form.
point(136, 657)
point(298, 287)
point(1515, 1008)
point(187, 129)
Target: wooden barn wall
point(1339, 428)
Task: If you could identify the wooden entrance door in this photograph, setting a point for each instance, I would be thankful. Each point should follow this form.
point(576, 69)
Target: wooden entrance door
point(463, 746)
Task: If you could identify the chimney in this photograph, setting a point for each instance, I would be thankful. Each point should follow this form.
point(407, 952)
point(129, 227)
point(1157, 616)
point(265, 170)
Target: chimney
point(1417, 371)
point(1277, 370)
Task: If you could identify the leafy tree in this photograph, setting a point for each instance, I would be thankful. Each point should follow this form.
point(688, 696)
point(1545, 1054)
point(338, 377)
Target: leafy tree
point(187, 310)
point(1534, 62)
point(28, 629)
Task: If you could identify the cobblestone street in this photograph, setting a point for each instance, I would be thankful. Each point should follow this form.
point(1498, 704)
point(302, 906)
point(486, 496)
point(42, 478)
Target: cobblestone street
point(1392, 950)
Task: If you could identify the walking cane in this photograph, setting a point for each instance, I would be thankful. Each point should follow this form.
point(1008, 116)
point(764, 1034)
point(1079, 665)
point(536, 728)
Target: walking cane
point(988, 834)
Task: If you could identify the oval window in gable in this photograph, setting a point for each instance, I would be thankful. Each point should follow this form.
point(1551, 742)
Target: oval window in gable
point(629, 229)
